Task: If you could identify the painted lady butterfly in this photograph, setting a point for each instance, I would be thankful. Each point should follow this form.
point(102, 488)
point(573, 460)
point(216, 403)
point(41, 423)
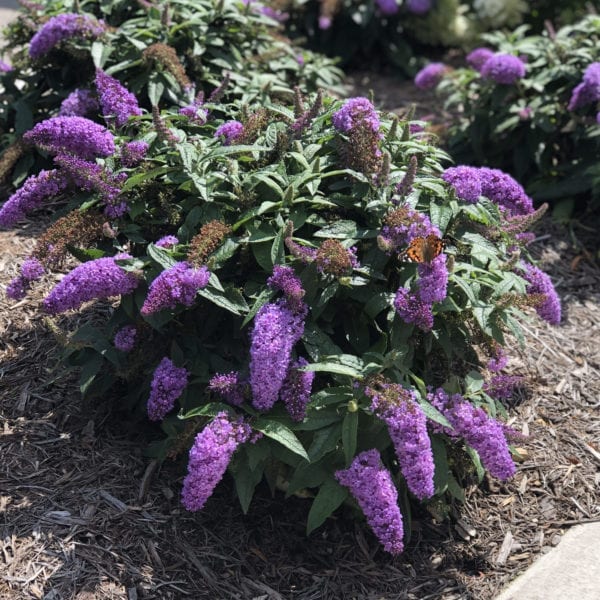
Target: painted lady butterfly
point(423, 249)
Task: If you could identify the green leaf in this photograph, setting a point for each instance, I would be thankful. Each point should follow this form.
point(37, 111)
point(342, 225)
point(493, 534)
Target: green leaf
point(282, 434)
point(245, 479)
point(161, 256)
point(440, 461)
point(349, 435)
point(332, 366)
point(324, 441)
point(330, 497)
point(89, 371)
point(230, 299)
point(433, 413)
point(207, 410)
point(477, 462)
point(264, 297)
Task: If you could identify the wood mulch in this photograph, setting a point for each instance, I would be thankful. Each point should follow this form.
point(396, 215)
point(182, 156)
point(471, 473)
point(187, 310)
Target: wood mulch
point(83, 514)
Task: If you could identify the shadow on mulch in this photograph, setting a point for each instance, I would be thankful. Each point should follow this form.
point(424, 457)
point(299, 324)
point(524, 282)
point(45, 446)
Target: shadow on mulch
point(86, 516)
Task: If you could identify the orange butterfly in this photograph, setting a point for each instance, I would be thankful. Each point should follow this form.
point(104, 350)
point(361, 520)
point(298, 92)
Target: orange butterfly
point(423, 249)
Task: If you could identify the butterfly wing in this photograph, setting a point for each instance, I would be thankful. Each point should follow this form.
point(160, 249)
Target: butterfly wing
point(423, 249)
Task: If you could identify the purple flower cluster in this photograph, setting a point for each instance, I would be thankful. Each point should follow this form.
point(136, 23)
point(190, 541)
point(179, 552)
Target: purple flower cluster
point(31, 270)
point(501, 387)
point(64, 27)
point(5, 67)
point(356, 112)
point(178, 284)
point(167, 241)
point(503, 68)
point(498, 361)
point(296, 389)
point(168, 383)
point(419, 7)
point(72, 135)
point(133, 153)
point(285, 279)
point(195, 113)
point(277, 328)
point(387, 7)
point(478, 57)
point(118, 104)
point(471, 182)
point(588, 90)
point(31, 195)
point(231, 132)
point(403, 225)
point(412, 309)
point(428, 77)
point(484, 434)
point(228, 386)
point(433, 280)
point(324, 22)
point(100, 278)
point(372, 486)
point(407, 426)
point(465, 180)
point(209, 457)
point(125, 338)
point(78, 104)
point(540, 283)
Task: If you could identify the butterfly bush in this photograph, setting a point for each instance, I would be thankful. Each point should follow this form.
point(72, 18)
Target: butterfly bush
point(78, 104)
point(118, 104)
point(520, 92)
point(298, 295)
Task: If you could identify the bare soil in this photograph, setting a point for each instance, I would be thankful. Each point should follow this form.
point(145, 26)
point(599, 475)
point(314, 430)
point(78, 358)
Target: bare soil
point(84, 515)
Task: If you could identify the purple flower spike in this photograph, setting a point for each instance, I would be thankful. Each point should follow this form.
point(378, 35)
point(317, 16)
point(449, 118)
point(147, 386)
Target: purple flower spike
point(277, 328)
point(428, 77)
point(540, 283)
point(419, 7)
point(72, 135)
point(285, 279)
point(324, 22)
point(133, 153)
point(100, 278)
point(231, 132)
point(588, 90)
point(466, 182)
point(168, 241)
point(64, 27)
point(433, 280)
point(478, 57)
point(31, 270)
point(356, 111)
point(296, 389)
point(125, 338)
point(168, 383)
point(5, 67)
point(407, 426)
point(31, 195)
point(228, 386)
point(209, 458)
point(177, 285)
point(372, 486)
point(412, 309)
point(387, 7)
point(78, 104)
point(118, 104)
point(505, 69)
point(503, 190)
point(484, 434)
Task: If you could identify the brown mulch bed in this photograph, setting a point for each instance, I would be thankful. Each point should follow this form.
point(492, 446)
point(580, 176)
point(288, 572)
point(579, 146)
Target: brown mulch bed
point(85, 515)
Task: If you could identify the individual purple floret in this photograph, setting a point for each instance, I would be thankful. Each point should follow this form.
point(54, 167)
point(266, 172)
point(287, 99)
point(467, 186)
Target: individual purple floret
point(478, 57)
point(179, 284)
point(168, 383)
point(133, 153)
point(231, 132)
point(540, 283)
point(277, 328)
point(387, 7)
point(64, 27)
point(503, 190)
point(503, 68)
point(407, 426)
point(228, 386)
point(354, 112)
point(31, 195)
point(412, 309)
point(5, 67)
point(72, 135)
point(31, 270)
point(167, 241)
point(78, 104)
point(371, 485)
point(285, 279)
point(428, 77)
point(466, 182)
point(209, 458)
point(433, 280)
point(118, 103)
point(419, 7)
point(125, 338)
point(95, 279)
point(296, 389)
